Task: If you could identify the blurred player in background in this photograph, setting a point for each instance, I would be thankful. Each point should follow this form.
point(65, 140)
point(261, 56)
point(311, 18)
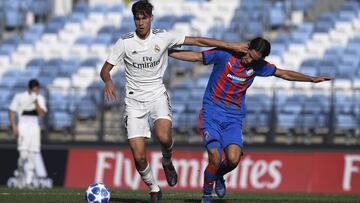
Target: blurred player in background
point(220, 119)
point(145, 55)
point(28, 106)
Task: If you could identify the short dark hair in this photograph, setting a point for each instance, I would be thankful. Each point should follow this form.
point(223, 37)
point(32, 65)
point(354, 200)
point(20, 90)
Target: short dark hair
point(260, 45)
point(142, 7)
point(33, 83)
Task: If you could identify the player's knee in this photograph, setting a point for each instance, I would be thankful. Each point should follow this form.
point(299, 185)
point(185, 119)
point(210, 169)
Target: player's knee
point(233, 159)
point(215, 153)
point(165, 140)
point(233, 162)
point(215, 161)
point(140, 160)
point(163, 130)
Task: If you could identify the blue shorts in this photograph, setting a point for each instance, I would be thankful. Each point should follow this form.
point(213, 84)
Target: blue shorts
point(216, 126)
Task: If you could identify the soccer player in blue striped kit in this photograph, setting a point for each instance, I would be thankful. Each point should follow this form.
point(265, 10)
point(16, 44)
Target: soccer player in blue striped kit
point(220, 119)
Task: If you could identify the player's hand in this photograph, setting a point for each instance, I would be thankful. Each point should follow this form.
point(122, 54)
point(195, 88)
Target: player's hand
point(321, 79)
point(240, 47)
point(110, 91)
point(15, 132)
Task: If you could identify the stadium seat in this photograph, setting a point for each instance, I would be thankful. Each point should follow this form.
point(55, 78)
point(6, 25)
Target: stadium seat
point(61, 120)
point(4, 120)
point(346, 121)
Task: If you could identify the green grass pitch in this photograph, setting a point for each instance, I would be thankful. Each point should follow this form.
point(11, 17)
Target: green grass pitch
point(59, 195)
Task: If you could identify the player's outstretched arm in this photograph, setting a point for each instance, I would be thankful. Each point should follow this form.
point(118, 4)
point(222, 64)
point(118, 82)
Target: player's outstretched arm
point(209, 42)
point(109, 90)
point(191, 56)
point(296, 76)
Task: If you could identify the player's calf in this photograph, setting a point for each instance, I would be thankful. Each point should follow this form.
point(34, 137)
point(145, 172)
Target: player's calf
point(169, 169)
point(170, 172)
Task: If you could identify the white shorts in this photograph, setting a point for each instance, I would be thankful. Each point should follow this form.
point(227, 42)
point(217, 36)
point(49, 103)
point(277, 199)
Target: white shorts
point(139, 115)
point(29, 137)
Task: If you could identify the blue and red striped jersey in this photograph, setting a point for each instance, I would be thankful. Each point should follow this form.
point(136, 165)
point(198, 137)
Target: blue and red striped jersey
point(229, 81)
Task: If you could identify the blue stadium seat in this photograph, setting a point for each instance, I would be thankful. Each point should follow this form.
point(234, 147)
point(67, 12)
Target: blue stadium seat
point(35, 63)
point(77, 17)
point(4, 119)
point(61, 120)
point(287, 120)
point(99, 8)
point(105, 39)
point(165, 22)
point(180, 94)
point(81, 7)
point(84, 40)
point(346, 121)
point(86, 109)
point(117, 8)
point(15, 13)
point(8, 82)
point(92, 62)
point(5, 97)
point(41, 7)
point(107, 29)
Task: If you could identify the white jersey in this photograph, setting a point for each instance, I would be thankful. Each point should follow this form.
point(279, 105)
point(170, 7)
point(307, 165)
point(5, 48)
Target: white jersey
point(23, 104)
point(145, 62)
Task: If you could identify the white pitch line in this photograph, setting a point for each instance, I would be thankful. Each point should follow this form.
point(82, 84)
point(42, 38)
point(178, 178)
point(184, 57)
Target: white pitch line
point(37, 193)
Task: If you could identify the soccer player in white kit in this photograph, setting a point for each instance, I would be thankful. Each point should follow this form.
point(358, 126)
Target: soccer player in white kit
point(28, 106)
point(145, 55)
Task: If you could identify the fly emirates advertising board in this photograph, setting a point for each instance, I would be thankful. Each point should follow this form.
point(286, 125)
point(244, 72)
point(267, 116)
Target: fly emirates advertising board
point(318, 172)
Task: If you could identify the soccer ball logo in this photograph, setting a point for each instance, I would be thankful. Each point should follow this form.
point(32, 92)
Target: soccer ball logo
point(97, 193)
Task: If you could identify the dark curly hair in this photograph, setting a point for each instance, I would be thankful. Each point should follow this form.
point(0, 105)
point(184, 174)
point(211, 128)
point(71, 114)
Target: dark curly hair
point(260, 45)
point(143, 7)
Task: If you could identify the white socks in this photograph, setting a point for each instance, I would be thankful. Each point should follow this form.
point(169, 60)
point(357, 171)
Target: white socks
point(149, 180)
point(30, 169)
point(26, 167)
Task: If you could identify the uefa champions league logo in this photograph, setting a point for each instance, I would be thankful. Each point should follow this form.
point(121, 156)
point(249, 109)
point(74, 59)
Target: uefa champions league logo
point(40, 179)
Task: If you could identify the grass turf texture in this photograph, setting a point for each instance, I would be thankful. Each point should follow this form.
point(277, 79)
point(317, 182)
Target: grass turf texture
point(69, 195)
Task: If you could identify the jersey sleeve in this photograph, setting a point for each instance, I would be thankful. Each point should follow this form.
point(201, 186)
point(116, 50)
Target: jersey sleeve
point(14, 105)
point(174, 39)
point(42, 102)
point(266, 69)
point(210, 56)
point(117, 53)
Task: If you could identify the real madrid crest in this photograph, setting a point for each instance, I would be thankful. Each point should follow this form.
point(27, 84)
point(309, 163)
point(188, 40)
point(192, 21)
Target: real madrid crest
point(157, 48)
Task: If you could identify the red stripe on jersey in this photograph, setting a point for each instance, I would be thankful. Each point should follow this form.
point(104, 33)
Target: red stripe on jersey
point(221, 82)
point(242, 89)
point(200, 123)
point(208, 51)
point(230, 92)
